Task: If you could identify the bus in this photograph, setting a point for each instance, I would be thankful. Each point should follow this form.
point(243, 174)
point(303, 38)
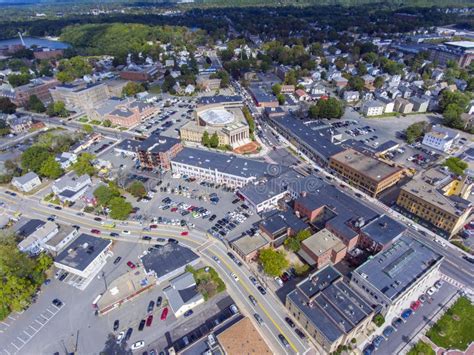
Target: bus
point(96, 300)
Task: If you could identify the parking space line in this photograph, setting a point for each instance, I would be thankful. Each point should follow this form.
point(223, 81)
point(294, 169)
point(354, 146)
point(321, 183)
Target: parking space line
point(5, 324)
point(34, 329)
point(12, 318)
point(20, 339)
point(28, 334)
point(8, 353)
point(17, 348)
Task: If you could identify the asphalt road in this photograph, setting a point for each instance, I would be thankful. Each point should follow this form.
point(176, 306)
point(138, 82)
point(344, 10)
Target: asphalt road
point(269, 307)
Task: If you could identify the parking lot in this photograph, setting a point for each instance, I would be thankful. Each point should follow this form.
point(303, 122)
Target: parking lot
point(197, 204)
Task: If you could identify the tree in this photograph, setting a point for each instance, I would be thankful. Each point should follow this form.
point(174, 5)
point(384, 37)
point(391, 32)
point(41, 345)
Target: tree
point(36, 105)
point(276, 89)
point(330, 108)
point(6, 106)
point(32, 159)
point(249, 118)
point(273, 262)
point(88, 128)
point(453, 97)
point(137, 189)
point(361, 68)
point(214, 140)
point(120, 208)
point(57, 108)
point(20, 275)
point(293, 244)
point(107, 123)
point(51, 168)
point(205, 141)
point(456, 165)
point(356, 83)
point(281, 99)
point(104, 194)
point(379, 320)
point(16, 80)
point(452, 116)
point(84, 164)
point(70, 69)
point(378, 82)
point(132, 88)
point(416, 131)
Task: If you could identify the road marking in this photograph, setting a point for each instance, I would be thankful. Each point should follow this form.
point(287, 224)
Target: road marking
point(17, 348)
point(34, 329)
point(261, 306)
point(5, 324)
point(12, 318)
point(20, 339)
point(27, 333)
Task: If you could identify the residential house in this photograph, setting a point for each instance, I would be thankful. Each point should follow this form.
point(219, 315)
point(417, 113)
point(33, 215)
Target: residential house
point(372, 108)
point(66, 159)
point(34, 243)
point(420, 104)
point(403, 106)
point(27, 182)
point(440, 138)
point(322, 248)
point(351, 96)
point(182, 294)
point(70, 188)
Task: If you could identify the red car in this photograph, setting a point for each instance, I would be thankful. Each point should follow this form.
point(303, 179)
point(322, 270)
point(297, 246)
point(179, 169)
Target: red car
point(95, 231)
point(415, 305)
point(131, 265)
point(164, 314)
point(153, 226)
point(190, 208)
point(184, 234)
point(149, 320)
point(174, 209)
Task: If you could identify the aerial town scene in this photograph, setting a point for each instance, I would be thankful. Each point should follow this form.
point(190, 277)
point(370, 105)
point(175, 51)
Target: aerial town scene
point(236, 177)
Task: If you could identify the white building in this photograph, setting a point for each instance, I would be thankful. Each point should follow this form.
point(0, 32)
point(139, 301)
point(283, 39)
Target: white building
point(27, 182)
point(34, 243)
point(372, 108)
point(66, 159)
point(71, 187)
point(440, 138)
point(182, 294)
point(57, 243)
point(84, 257)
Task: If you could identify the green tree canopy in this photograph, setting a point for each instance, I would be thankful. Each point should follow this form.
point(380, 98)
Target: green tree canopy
point(57, 108)
point(214, 140)
point(356, 83)
point(416, 131)
point(33, 158)
point(16, 80)
point(104, 194)
point(88, 128)
point(34, 104)
point(70, 69)
point(330, 108)
point(276, 89)
point(137, 189)
point(205, 140)
point(273, 262)
point(120, 208)
point(456, 165)
point(132, 88)
point(51, 168)
point(84, 165)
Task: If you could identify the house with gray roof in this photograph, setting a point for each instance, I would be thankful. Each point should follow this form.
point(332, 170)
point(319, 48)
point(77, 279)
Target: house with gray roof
point(27, 182)
point(69, 188)
point(182, 294)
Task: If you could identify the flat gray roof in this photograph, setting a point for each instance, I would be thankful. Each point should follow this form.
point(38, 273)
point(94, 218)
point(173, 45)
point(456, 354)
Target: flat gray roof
point(397, 268)
point(383, 230)
point(82, 251)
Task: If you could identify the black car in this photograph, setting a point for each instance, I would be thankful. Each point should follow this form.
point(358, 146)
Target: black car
point(468, 259)
point(158, 301)
point(290, 322)
point(283, 340)
point(114, 234)
point(232, 256)
point(116, 325)
point(151, 305)
point(128, 334)
point(63, 276)
point(58, 208)
point(161, 240)
point(300, 333)
point(146, 237)
point(262, 290)
point(75, 226)
point(117, 260)
point(141, 325)
point(188, 313)
point(98, 219)
point(172, 241)
point(213, 217)
point(253, 300)
point(57, 302)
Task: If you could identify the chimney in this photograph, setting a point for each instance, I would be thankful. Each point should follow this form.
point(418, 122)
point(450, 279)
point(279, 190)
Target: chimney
point(304, 193)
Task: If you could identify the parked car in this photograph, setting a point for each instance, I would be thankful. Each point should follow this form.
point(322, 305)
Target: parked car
point(141, 325)
point(172, 241)
point(438, 284)
point(116, 324)
point(149, 320)
point(137, 345)
point(151, 305)
point(388, 331)
point(57, 302)
point(261, 290)
point(128, 334)
point(164, 314)
point(415, 305)
point(377, 341)
point(117, 260)
point(290, 322)
point(369, 349)
point(119, 337)
point(159, 300)
point(131, 265)
point(188, 313)
point(431, 291)
point(406, 314)
point(300, 333)
point(397, 323)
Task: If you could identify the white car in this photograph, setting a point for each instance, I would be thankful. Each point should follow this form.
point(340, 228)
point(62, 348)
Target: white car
point(431, 291)
point(279, 281)
point(138, 345)
point(126, 232)
point(120, 337)
point(236, 278)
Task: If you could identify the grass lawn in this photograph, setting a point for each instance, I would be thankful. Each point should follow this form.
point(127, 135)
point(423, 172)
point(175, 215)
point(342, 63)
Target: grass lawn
point(421, 348)
point(208, 281)
point(454, 330)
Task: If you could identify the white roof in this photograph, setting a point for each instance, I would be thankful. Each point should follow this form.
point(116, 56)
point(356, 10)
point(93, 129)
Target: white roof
point(463, 44)
point(217, 117)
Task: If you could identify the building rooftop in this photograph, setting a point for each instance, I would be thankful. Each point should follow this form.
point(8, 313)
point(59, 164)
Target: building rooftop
point(453, 205)
point(277, 222)
point(461, 44)
point(217, 117)
point(167, 259)
point(229, 164)
point(248, 244)
point(158, 144)
point(25, 178)
point(317, 139)
point(260, 95)
point(384, 230)
point(243, 338)
point(329, 303)
point(129, 145)
point(372, 168)
point(394, 270)
point(218, 99)
point(322, 241)
point(181, 291)
point(82, 252)
point(25, 227)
